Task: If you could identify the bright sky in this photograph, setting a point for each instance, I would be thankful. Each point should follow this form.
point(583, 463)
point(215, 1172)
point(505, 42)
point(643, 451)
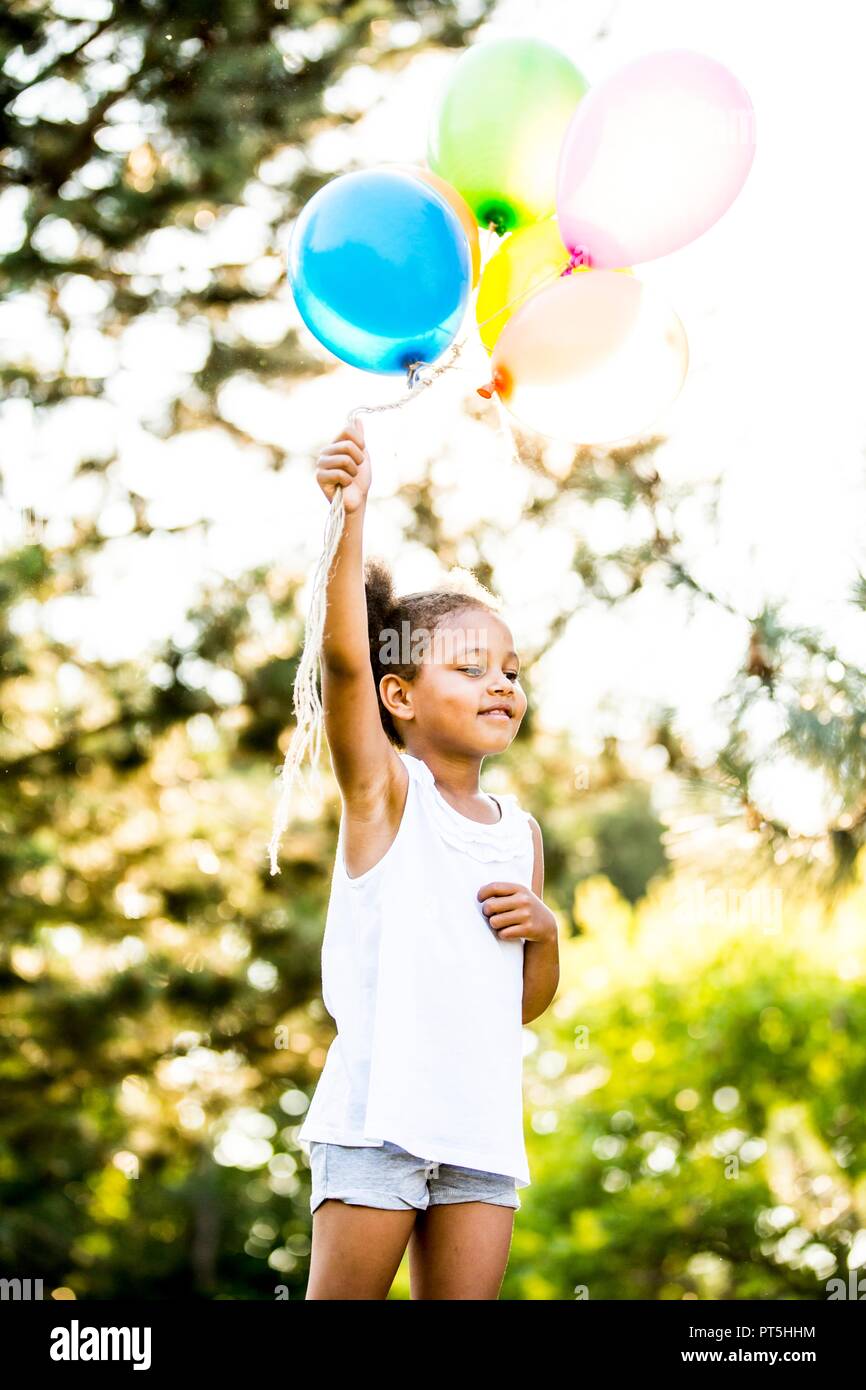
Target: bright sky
point(773, 300)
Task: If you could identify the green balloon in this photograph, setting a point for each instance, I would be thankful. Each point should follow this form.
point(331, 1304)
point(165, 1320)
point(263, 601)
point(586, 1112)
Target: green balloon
point(499, 126)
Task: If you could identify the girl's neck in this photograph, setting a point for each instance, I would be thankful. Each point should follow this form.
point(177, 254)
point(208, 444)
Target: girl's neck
point(453, 773)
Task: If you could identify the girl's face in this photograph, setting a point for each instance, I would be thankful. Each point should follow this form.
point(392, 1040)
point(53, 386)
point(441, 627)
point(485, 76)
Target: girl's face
point(467, 694)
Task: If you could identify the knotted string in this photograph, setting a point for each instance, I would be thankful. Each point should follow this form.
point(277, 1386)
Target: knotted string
point(308, 711)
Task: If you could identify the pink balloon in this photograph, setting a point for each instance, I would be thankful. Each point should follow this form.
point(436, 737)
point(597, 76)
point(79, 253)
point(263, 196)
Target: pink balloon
point(653, 157)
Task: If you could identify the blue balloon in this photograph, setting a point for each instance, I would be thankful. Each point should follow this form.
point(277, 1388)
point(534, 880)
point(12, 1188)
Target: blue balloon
point(380, 270)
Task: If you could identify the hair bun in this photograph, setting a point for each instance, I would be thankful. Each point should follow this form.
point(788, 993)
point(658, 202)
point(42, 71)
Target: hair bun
point(381, 596)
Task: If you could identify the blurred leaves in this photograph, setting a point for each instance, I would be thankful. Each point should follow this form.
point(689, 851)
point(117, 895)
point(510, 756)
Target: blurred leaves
point(694, 1105)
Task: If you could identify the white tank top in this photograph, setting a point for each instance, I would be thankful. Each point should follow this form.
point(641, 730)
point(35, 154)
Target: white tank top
point(426, 998)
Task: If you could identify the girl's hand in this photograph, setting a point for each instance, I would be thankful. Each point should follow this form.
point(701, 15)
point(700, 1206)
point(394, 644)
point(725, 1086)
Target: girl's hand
point(346, 464)
point(514, 911)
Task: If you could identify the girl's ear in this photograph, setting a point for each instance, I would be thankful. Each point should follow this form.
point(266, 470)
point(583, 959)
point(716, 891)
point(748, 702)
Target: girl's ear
point(396, 696)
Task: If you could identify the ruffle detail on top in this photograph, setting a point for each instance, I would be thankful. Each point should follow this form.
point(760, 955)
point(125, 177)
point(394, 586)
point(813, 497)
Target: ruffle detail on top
point(504, 839)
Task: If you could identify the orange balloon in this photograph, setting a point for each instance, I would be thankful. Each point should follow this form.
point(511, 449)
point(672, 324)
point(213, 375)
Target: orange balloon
point(458, 203)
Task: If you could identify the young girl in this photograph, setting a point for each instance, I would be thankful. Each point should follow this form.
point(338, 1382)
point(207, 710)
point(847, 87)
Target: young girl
point(437, 946)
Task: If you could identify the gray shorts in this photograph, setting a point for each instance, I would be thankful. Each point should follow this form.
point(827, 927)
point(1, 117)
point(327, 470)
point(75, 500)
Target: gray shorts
point(391, 1178)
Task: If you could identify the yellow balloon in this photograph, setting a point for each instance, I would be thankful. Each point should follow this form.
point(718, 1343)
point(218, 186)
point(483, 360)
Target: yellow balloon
point(527, 260)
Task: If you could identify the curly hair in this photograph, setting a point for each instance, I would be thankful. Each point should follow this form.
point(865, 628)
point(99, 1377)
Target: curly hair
point(414, 616)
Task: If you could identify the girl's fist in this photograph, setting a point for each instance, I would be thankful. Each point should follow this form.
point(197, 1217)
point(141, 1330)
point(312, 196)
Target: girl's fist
point(345, 464)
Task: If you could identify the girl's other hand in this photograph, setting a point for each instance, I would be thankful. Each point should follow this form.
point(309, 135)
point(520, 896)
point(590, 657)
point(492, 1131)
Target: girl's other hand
point(514, 911)
point(346, 464)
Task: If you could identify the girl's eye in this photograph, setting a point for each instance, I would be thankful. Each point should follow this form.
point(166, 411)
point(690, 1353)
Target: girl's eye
point(477, 670)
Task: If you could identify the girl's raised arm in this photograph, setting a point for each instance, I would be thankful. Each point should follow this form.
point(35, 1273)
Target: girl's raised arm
point(365, 763)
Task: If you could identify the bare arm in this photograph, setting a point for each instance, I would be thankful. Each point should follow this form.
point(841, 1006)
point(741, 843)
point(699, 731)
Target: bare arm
point(365, 763)
point(540, 957)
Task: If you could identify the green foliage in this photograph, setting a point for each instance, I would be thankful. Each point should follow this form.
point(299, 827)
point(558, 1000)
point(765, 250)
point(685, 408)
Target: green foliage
point(629, 843)
point(709, 1139)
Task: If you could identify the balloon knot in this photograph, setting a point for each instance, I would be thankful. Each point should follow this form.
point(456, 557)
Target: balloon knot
point(486, 391)
point(413, 372)
point(579, 256)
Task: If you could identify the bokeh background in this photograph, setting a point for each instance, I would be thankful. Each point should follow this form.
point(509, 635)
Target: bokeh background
point(689, 609)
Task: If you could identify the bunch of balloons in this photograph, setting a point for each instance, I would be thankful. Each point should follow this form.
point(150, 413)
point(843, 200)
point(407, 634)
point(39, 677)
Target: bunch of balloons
point(580, 184)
